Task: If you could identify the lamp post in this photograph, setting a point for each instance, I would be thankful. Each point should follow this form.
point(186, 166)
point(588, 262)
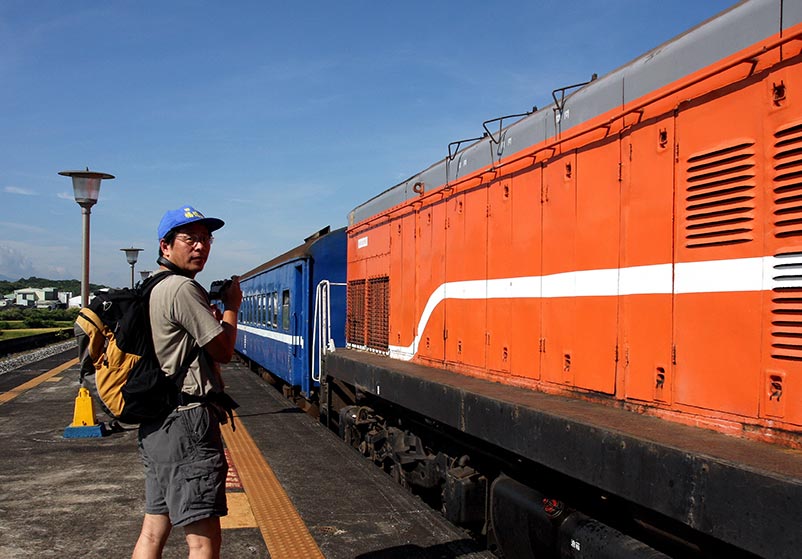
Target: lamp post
point(131, 254)
point(144, 274)
point(86, 187)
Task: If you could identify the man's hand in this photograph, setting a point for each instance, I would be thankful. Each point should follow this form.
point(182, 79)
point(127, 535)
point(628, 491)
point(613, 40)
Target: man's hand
point(232, 295)
point(221, 347)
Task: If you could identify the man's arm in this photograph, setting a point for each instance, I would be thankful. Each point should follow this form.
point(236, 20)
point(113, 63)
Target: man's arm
point(221, 347)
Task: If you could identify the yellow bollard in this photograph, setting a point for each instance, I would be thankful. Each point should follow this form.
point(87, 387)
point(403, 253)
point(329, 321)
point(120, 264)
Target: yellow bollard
point(83, 419)
point(84, 415)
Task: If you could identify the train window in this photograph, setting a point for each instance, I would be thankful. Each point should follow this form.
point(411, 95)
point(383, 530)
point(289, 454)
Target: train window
point(275, 309)
point(285, 310)
point(262, 310)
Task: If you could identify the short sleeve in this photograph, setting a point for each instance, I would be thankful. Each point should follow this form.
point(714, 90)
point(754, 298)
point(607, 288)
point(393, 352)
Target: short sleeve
point(191, 310)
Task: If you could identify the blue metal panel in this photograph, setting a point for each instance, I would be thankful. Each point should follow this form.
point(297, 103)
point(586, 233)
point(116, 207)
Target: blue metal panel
point(328, 255)
point(271, 342)
point(282, 344)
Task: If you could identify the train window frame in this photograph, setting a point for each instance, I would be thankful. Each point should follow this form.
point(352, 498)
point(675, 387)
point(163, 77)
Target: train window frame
point(269, 312)
point(274, 318)
point(285, 310)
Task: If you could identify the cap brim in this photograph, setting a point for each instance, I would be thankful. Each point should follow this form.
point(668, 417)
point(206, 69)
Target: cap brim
point(212, 223)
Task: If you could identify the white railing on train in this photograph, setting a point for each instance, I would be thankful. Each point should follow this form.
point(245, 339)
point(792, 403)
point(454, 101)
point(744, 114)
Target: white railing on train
point(321, 327)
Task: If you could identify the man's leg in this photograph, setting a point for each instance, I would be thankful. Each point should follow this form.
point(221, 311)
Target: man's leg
point(155, 530)
point(204, 538)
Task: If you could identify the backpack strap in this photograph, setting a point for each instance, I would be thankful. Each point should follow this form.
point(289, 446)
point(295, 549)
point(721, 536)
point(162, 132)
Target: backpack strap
point(146, 287)
point(149, 283)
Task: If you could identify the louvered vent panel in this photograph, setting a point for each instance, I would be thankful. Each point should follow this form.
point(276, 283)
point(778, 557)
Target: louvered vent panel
point(356, 312)
point(720, 197)
point(786, 307)
point(788, 182)
point(378, 313)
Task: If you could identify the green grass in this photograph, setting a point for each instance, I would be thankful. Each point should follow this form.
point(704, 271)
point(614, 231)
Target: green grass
point(22, 332)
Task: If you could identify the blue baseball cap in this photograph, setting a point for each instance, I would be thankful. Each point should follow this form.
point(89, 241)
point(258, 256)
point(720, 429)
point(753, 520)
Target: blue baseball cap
point(184, 216)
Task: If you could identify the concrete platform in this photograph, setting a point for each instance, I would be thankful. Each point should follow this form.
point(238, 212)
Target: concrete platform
point(84, 498)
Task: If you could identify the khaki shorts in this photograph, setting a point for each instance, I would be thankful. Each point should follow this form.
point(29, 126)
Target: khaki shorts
point(185, 466)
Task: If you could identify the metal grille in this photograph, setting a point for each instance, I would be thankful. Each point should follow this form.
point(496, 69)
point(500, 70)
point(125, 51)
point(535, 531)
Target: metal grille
point(378, 313)
point(720, 197)
point(788, 182)
point(786, 308)
point(356, 312)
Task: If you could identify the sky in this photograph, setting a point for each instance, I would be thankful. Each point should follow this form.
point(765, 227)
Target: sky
point(277, 117)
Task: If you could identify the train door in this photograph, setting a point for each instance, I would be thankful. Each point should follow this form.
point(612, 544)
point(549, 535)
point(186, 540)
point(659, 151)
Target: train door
point(597, 233)
point(559, 263)
point(719, 248)
point(646, 261)
point(503, 264)
point(524, 327)
point(430, 274)
point(295, 313)
point(781, 383)
point(403, 318)
point(466, 275)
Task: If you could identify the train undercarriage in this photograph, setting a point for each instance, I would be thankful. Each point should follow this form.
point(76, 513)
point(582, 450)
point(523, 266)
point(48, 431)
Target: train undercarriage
point(593, 489)
point(543, 477)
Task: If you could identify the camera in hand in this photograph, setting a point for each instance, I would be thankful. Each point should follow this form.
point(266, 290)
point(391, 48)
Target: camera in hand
point(217, 288)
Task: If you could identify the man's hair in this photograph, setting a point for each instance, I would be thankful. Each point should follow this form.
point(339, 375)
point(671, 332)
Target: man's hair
point(169, 238)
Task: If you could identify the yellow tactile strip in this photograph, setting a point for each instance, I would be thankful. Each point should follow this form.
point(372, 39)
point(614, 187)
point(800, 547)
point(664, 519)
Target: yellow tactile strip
point(34, 382)
point(283, 530)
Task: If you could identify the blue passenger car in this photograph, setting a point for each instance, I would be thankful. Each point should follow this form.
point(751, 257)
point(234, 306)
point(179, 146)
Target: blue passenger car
point(294, 305)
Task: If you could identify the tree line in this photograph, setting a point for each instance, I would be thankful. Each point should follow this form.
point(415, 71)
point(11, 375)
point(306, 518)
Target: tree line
point(7, 287)
point(36, 318)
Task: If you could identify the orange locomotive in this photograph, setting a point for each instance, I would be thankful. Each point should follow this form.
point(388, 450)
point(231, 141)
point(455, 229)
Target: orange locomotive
point(647, 251)
point(637, 247)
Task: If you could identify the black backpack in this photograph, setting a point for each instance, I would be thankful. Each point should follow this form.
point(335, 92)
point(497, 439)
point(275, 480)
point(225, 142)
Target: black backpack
point(115, 345)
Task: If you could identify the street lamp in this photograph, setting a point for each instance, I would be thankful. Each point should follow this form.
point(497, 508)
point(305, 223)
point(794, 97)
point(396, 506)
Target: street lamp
point(144, 274)
point(86, 186)
point(131, 254)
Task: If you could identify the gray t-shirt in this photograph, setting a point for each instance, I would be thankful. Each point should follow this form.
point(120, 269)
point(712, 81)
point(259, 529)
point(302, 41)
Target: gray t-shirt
point(180, 317)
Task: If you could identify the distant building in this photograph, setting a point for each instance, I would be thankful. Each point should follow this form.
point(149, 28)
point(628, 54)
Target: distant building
point(40, 297)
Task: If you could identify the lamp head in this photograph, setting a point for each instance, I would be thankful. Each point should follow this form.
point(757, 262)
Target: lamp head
point(86, 185)
point(131, 254)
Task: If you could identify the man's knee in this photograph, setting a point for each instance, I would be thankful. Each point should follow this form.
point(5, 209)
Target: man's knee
point(155, 531)
point(204, 537)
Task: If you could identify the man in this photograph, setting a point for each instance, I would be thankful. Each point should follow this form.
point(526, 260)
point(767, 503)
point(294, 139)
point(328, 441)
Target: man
point(185, 466)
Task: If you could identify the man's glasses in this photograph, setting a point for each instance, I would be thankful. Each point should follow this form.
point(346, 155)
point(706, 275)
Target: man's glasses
point(192, 240)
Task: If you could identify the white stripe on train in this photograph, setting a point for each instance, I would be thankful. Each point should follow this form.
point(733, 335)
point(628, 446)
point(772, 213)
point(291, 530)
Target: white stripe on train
point(715, 276)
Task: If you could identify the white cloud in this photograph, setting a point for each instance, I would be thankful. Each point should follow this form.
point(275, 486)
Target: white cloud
point(18, 190)
point(66, 196)
point(14, 264)
point(24, 259)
